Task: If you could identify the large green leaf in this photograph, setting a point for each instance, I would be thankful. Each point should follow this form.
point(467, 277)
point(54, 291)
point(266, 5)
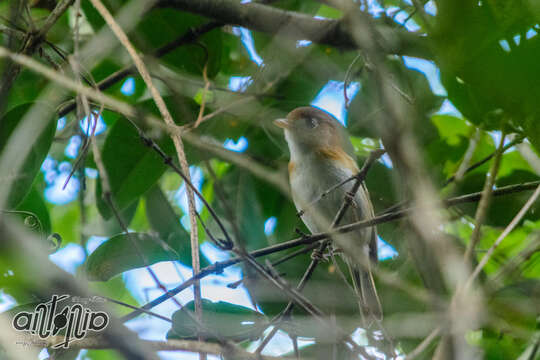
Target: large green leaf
point(132, 167)
point(20, 184)
point(219, 320)
point(125, 252)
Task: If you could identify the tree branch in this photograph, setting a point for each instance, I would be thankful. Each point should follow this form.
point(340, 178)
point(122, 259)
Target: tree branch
point(299, 26)
point(101, 342)
point(306, 240)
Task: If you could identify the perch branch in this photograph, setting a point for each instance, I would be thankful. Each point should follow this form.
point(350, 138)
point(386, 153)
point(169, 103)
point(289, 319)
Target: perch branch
point(307, 240)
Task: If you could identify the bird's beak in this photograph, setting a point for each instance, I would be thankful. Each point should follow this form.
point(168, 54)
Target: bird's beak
point(282, 123)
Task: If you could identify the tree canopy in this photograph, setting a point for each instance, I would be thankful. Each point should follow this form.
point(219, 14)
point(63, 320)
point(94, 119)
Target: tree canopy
point(139, 166)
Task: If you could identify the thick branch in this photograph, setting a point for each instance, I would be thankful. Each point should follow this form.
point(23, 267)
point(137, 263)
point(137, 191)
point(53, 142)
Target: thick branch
point(298, 26)
point(101, 342)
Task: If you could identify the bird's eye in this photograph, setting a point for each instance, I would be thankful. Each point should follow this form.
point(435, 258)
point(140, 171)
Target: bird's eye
point(311, 122)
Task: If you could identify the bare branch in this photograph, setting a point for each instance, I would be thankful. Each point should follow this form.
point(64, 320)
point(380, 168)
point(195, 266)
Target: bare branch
point(306, 240)
point(299, 26)
point(100, 342)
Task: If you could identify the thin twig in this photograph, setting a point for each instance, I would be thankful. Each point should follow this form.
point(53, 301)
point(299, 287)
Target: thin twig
point(347, 79)
point(218, 267)
point(464, 166)
point(132, 307)
point(512, 143)
point(519, 259)
point(453, 178)
point(204, 93)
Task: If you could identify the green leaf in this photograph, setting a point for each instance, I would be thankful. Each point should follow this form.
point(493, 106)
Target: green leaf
point(163, 219)
point(122, 253)
point(530, 125)
point(20, 184)
point(132, 167)
point(489, 83)
point(329, 12)
point(161, 26)
point(220, 320)
point(25, 90)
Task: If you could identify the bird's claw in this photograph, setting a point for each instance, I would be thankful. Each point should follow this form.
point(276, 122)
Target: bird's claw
point(318, 255)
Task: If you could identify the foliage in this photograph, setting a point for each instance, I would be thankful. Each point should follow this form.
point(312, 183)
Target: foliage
point(487, 54)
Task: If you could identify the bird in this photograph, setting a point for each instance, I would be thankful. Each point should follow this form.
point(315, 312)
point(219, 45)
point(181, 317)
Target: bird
point(322, 156)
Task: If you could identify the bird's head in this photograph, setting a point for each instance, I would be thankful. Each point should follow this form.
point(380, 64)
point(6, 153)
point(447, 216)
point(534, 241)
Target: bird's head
point(308, 129)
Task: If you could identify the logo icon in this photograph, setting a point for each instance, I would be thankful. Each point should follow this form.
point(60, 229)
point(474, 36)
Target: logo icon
point(73, 319)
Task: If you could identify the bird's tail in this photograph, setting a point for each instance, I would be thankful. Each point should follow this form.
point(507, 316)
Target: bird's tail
point(364, 287)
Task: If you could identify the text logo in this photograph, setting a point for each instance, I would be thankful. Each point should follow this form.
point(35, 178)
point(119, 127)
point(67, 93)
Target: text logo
point(73, 320)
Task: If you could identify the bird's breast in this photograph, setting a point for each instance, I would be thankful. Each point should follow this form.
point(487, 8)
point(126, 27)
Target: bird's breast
point(309, 179)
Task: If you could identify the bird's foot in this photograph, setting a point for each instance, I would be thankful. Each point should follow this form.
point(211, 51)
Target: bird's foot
point(318, 255)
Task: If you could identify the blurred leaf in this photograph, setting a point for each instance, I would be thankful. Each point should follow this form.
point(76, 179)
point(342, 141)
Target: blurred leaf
point(115, 289)
point(502, 208)
point(325, 350)
point(132, 167)
point(365, 109)
point(26, 89)
point(161, 26)
point(248, 213)
point(219, 320)
point(20, 184)
point(487, 60)
point(329, 12)
point(66, 221)
point(96, 225)
point(166, 223)
point(102, 354)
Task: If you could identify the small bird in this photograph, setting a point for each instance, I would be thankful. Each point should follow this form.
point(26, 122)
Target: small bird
point(321, 156)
